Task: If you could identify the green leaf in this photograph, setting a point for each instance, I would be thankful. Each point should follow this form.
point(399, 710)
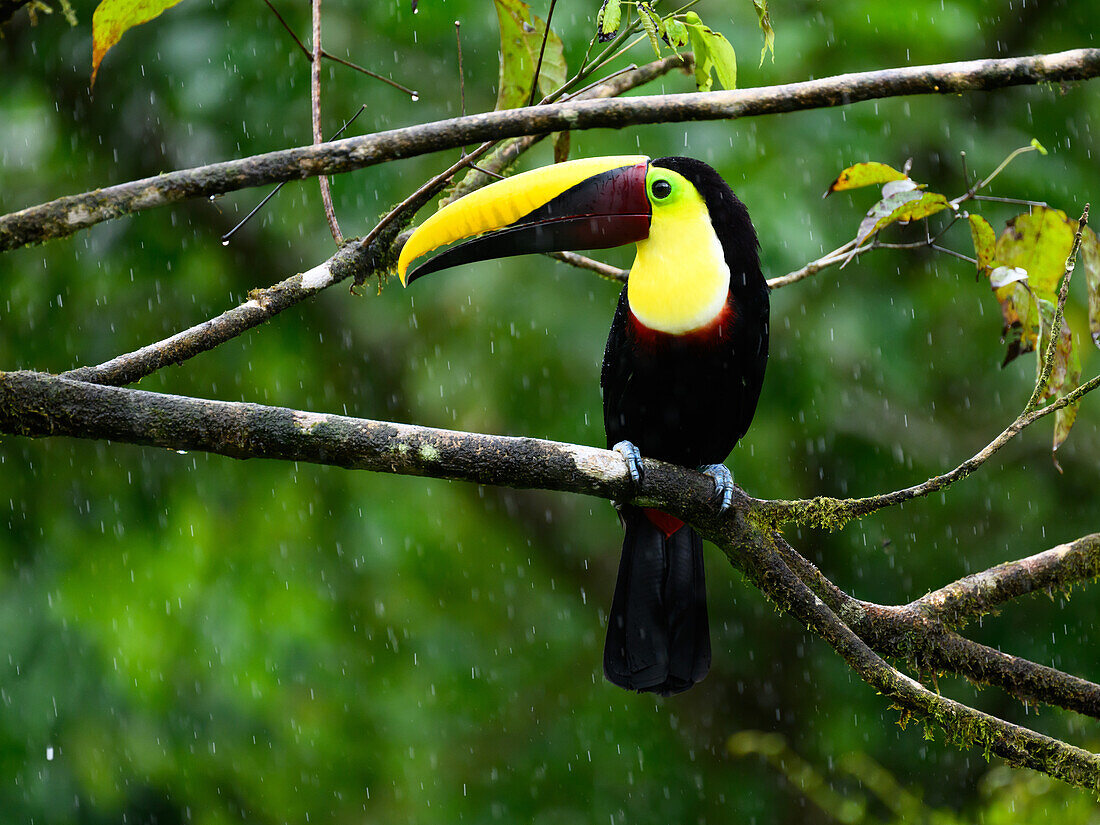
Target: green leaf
point(985, 242)
point(864, 174)
point(112, 19)
point(713, 54)
point(900, 207)
point(651, 22)
point(521, 37)
point(1090, 261)
point(676, 33)
point(765, 19)
point(608, 20)
point(1039, 242)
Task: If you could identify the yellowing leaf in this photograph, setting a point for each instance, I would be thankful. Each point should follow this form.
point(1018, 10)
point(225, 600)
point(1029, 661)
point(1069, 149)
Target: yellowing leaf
point(520, 41)
point(864, 174)
point(1065, 376)
point(1020, 314)
point(765, 20)
point(676, 33)
point(985, 242)
point(1090, 261)
point(112, 18)
point(561, 146)
point(901, 207)
point(1039, 242)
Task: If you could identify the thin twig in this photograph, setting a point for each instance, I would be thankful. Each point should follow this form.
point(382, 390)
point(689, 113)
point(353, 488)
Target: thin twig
point(309, 55)
point(542, 51)
point(830, 512)
point(461, 75)
point(1040, 390)
point(315, 107)
point(825, 261)
point(611, 273)
point(228, 235)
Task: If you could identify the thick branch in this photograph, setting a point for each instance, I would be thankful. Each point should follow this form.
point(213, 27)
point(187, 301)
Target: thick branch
point(963, 725)
point(917, 633)
point(37, 405)
point(33, 404)
point(1056, 569)
point(70, 214)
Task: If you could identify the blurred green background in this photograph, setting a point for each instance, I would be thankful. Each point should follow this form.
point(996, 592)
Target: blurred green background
point(186, 638)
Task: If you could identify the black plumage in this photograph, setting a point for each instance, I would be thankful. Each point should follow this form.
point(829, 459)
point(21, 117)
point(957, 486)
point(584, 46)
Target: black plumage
point(687, 399)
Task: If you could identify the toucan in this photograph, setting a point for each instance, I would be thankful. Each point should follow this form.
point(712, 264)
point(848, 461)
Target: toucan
point(682, 370)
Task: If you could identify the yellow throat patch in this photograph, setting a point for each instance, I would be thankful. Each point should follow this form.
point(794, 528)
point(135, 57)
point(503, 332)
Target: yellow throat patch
point(679, 281)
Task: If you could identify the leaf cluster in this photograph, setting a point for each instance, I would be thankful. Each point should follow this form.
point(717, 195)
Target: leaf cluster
point(1024, 265)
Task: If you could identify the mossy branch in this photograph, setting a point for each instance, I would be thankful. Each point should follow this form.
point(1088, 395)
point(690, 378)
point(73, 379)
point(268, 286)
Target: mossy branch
point(37, 405)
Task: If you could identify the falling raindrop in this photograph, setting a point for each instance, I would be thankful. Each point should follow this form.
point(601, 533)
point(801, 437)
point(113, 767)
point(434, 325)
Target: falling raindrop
point(225, 241)
point(415, 96)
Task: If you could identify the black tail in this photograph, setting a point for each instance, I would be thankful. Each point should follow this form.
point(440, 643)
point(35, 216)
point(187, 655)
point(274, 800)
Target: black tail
point(658, 637)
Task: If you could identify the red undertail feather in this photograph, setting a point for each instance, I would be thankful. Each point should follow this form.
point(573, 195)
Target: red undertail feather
point(663, 521)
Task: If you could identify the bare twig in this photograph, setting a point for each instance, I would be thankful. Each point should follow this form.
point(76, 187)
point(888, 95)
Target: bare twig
point(275, 191)
point(68, 215)
point(315, 108)
point(542, 51)
point(834, 513)
point(309, 55)
point(611, 273)
point(461, 74)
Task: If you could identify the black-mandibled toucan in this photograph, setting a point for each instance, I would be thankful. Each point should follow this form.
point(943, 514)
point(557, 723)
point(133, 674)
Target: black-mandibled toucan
point(682, 370)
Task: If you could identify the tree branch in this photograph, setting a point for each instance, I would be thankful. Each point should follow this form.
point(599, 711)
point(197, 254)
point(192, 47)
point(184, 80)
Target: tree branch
point(357, 259)
point(315, 117)
point(1058, 568)
point(70, 214)
point(832, 513)
point(918, 634)
point(33, 404)
point(963, 725)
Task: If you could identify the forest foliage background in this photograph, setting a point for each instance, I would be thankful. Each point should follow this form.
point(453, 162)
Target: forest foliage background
point(194, 638)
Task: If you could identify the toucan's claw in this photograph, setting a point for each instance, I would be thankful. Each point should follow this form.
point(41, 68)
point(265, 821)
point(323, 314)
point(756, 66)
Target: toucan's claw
point(633, 457)
point(723, 483)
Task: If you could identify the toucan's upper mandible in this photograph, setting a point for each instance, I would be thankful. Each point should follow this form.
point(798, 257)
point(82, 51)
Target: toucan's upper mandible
point(591, 203)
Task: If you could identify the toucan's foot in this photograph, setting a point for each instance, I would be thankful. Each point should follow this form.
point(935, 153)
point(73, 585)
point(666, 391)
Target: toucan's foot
point(723, 483)
point(633, 457)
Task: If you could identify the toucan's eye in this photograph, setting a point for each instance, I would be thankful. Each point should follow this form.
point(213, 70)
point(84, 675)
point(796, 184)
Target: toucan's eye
point(661, 189)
